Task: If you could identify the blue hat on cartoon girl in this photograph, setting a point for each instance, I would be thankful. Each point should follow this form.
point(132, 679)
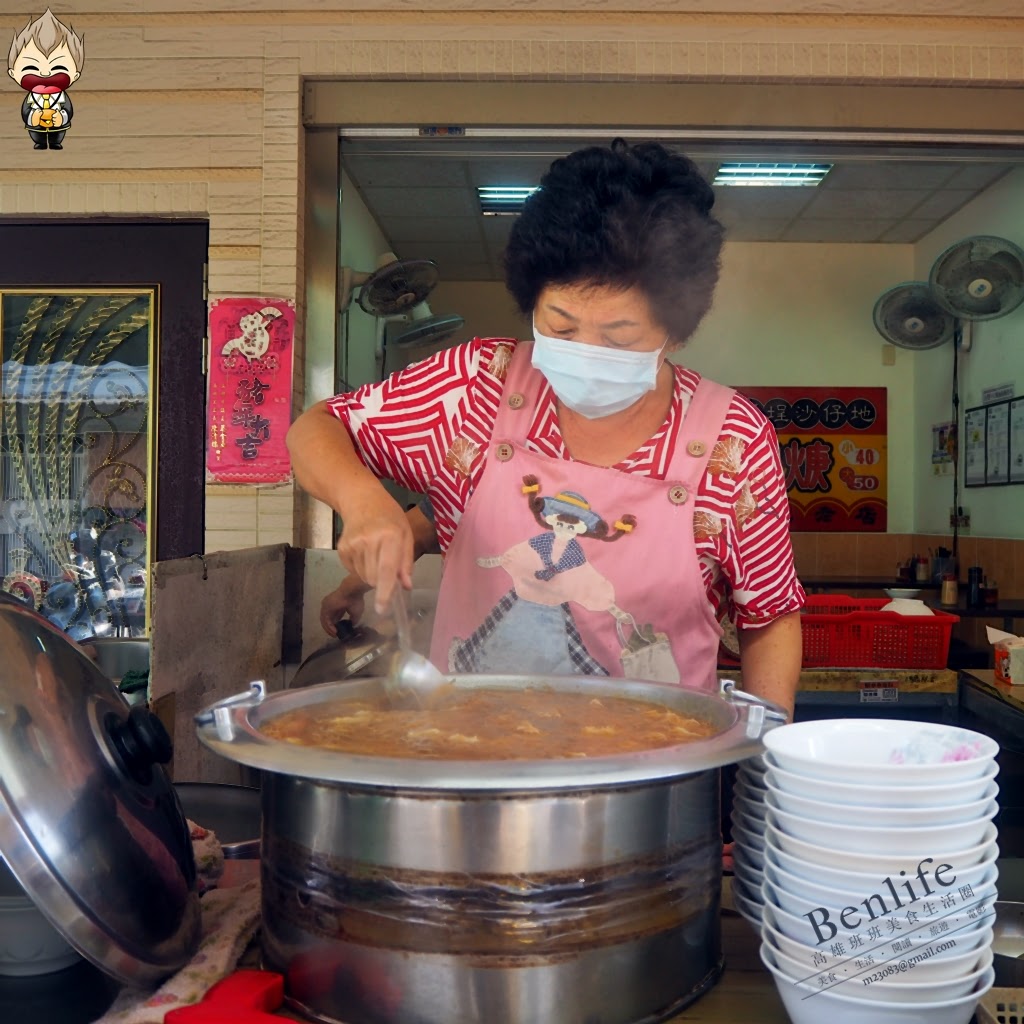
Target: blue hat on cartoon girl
point(571, 504)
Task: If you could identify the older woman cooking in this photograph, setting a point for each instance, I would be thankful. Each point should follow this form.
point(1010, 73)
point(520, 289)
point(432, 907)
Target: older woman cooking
point(600, 508)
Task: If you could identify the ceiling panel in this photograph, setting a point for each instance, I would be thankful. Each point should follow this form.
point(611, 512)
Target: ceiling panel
point(977, 176)
point(423, 197)
point(504, 171)
point(809, 230)
point(413, 201)
point(436, 229)
point(941, 204)
point(400, 172)
point(860, 204)
point(733, 204)
point(889, 174)
point(909, 231)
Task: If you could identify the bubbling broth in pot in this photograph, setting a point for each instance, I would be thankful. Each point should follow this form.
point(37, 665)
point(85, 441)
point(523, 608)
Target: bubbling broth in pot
point(491, 725)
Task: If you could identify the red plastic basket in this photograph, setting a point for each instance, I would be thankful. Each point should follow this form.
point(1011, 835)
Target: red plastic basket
point(852, 632)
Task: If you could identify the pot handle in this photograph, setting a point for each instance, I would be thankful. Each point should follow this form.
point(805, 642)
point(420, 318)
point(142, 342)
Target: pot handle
point(762, 715)
point(219, 714)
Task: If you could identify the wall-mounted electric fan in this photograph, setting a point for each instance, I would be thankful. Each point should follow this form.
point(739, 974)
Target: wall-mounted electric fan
point(979, 278)
point(910, 316)
point(394, 287)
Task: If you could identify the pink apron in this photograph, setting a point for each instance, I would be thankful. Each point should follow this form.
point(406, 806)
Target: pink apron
point(559, 567)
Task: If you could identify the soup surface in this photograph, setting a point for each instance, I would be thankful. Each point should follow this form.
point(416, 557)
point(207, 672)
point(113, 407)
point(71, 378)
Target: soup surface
point(491, 725)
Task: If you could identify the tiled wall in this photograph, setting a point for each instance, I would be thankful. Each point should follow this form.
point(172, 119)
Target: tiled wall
point(183, 110)
point(841, 554)
point(865, 554)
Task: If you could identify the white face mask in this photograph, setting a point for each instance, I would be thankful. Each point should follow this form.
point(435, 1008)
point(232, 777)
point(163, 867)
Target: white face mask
point(594, 380)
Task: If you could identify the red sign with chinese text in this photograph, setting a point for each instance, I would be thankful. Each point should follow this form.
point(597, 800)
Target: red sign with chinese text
point(834, 448)
point(249, 397)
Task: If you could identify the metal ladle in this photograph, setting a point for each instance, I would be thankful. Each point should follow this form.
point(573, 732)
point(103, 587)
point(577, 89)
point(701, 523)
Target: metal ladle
point(412, 680)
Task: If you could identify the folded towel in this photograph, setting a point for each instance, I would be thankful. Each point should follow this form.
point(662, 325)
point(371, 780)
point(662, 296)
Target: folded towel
point(230, 919)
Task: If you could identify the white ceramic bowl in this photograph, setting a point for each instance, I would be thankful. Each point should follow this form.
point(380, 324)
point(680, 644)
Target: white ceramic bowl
point(750, 878)
point(752, 811)
point(836, 1008)
point(864, 794)
point(755, 780)
point(969, 933)
point(917, 839)
point(878, 864)
point(881, 751)
point(825, 930)
point(751, 845)
point(747, 906)
point(902, 593)
point(743, 861)
point(884, 817)
point(793, 898)
point(29, 944)
point(752, 766)
point(898, 987)
point(745, 793)
point(961, 958)
point(815, 882)
point(746, 819)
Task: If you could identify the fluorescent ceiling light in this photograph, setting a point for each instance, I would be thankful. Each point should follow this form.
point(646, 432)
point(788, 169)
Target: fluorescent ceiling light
point(496, 200)
point(771, 174)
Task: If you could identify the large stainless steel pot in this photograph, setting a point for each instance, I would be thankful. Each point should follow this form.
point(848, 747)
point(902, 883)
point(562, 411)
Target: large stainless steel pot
point(572, 891)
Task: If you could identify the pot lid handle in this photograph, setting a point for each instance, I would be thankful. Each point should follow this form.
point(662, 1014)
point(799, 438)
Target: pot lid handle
point(762, 715)
point(219, 715)
point(142, 741)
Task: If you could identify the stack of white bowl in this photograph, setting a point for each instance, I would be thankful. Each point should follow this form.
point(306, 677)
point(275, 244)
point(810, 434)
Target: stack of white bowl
point(748, 824)
point(861, 923)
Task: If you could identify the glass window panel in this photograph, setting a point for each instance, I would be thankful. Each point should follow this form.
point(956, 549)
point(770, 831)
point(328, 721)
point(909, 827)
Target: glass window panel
point(75, 456)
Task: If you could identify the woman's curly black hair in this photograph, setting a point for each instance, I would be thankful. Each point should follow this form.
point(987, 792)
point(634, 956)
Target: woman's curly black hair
point(626, 216)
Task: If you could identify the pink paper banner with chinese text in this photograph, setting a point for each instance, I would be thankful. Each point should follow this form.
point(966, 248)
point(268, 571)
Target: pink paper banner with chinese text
point(249, 390)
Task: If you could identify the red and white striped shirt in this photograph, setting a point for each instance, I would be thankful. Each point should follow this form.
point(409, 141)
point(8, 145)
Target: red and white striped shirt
point(428, 428)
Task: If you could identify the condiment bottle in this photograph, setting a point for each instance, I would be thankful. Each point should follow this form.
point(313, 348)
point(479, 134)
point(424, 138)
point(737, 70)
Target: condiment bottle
point(922, 570)
point(990, 593)
point(975, 598)
point(949, 589)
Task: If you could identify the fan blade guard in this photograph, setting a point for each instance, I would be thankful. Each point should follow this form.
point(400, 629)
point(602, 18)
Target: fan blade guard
point(398, 286)
point(979, 278)
point(910, 316)
point(429, 331)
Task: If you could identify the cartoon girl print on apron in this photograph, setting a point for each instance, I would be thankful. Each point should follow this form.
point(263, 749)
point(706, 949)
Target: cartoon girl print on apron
point(548, 574)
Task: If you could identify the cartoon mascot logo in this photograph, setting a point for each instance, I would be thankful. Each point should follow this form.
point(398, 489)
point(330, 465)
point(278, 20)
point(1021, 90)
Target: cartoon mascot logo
point(46, 59)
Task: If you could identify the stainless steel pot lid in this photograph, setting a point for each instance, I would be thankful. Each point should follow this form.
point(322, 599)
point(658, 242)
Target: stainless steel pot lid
point(89, 823)
point(231, 727)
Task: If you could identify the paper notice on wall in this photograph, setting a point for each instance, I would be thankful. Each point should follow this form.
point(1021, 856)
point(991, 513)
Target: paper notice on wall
point(1017, 441)
point(974, 447)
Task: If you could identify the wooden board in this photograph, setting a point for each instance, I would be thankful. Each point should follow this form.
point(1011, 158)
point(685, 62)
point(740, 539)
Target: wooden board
point(216, 625)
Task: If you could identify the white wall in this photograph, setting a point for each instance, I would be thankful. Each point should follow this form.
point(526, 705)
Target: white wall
point(996, 357)
point(360, 245)
point(784, 313)
point(800, 314)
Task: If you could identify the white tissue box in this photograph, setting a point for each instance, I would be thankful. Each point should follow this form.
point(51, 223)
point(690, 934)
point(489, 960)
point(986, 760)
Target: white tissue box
point(1009, 661)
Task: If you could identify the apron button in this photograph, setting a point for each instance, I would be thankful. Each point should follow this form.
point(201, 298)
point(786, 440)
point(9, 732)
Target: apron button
point(696, 448)
point(677, 494)
point(504, 451)
point(515, 400)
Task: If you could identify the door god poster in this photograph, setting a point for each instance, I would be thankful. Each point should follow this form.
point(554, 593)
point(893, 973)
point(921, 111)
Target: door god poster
point(833, 443)
point(250, 391)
